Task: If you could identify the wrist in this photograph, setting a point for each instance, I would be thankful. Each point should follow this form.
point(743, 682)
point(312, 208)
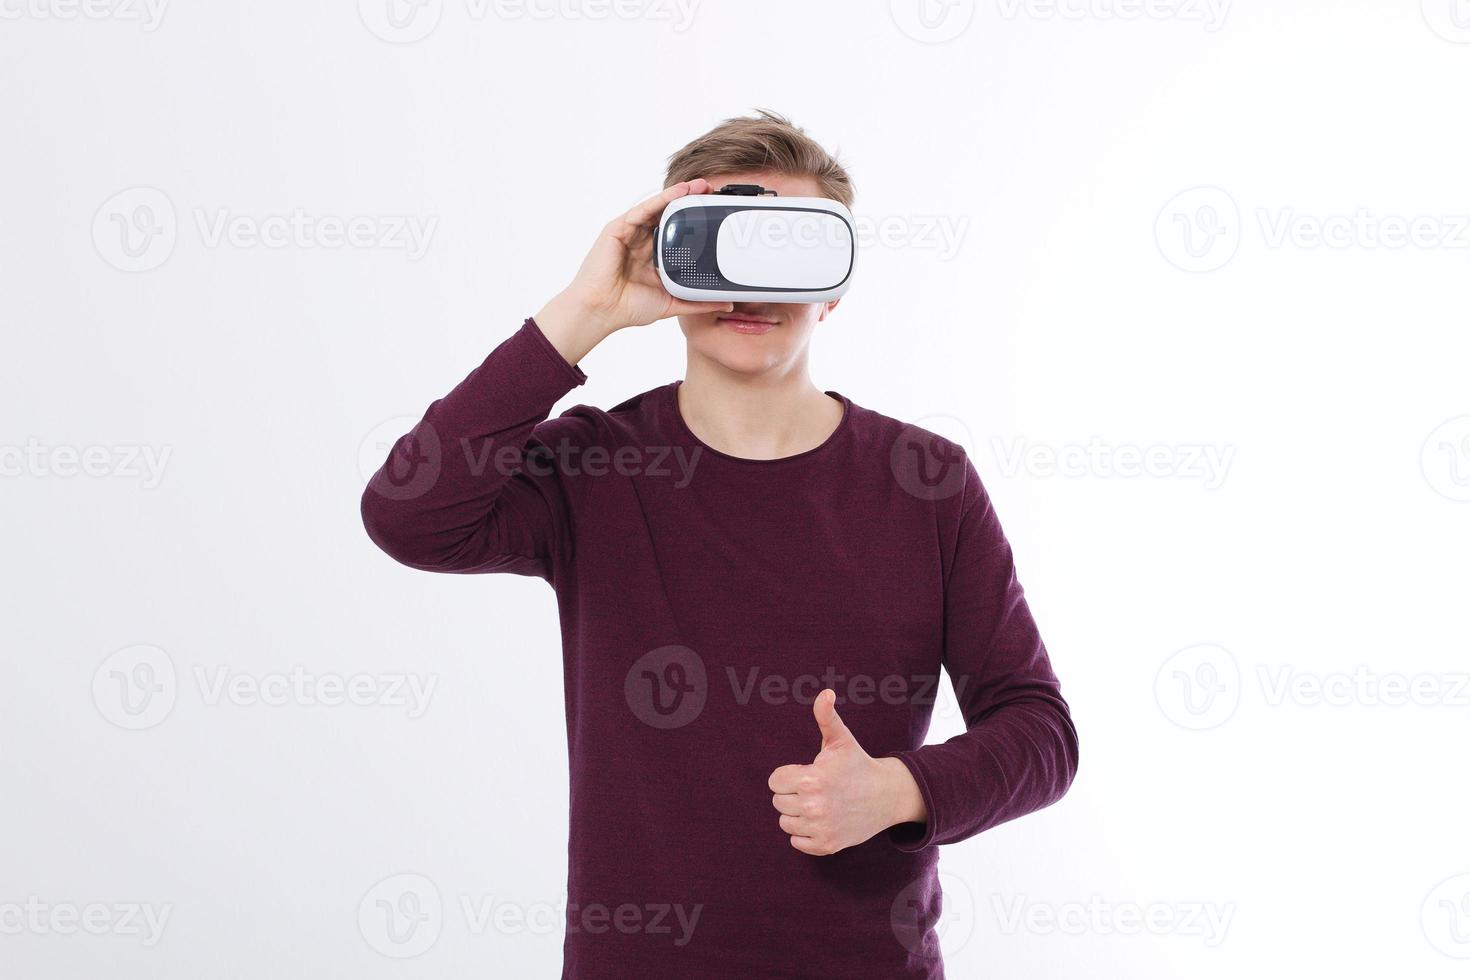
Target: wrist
point(572, 327)
point(906, 802)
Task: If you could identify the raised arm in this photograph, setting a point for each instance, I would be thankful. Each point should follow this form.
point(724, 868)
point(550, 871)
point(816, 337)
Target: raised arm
point(458, 493)
point(454, 494)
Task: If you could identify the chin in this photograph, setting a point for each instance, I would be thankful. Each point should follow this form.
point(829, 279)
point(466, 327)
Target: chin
point(737, 352)
point(751, 362)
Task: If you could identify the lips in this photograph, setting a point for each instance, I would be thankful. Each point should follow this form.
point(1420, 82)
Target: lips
point(746, 324)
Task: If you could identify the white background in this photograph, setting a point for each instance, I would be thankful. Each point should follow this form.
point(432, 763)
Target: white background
point(1105, 231)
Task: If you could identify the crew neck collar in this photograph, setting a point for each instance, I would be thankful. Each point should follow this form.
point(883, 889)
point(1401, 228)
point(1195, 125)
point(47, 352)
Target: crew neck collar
point(676, 424)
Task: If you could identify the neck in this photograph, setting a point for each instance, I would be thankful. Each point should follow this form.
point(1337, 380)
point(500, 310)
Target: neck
point(775, 414)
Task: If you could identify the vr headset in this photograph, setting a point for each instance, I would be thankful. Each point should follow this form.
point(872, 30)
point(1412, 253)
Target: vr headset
point(746, 244)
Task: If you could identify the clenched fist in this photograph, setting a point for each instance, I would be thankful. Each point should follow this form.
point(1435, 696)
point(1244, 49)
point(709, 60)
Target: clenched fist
point(845, 796)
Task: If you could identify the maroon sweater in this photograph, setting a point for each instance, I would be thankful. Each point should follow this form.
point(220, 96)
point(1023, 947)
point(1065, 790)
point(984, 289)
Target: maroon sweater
point(705, 601)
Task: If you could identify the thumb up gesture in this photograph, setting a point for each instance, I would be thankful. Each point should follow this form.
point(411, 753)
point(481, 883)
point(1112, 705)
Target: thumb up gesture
point(845, 796)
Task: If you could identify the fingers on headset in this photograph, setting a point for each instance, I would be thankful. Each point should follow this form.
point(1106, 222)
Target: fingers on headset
point(645, 275)
point(682, 307)
point(648, 211)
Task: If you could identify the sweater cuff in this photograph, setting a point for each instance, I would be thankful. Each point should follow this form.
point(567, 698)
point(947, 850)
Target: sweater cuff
point(911, 837)
point(532, 330)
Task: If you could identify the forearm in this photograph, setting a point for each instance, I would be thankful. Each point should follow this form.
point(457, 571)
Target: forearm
point(901, 790)
point(1018, 760)
point(573, 329)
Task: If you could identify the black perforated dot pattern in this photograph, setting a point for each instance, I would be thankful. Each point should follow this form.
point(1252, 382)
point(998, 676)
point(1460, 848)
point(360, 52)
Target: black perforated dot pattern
point(681, 261)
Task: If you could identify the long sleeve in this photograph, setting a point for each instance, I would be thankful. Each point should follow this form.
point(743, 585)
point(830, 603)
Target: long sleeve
point(455, 494)
point(1019, 751)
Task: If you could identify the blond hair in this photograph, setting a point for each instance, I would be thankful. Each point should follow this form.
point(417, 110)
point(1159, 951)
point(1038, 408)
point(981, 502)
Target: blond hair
point(766, 142)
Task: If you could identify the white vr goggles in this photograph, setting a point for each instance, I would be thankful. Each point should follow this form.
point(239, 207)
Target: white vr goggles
point(744, 244)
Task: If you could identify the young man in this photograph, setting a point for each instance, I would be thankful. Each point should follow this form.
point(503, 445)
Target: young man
point(758, 584)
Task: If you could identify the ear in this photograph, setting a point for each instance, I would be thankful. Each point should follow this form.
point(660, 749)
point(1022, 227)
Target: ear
point(828, 308)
